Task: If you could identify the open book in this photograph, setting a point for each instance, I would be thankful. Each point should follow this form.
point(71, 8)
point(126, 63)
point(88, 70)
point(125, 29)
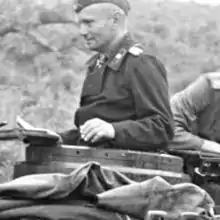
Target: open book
point(29, 134)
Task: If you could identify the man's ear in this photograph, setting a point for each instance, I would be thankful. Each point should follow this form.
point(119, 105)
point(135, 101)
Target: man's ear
point(116, 17)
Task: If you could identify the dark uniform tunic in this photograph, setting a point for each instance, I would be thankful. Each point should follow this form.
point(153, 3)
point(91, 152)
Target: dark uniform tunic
point(130, 91)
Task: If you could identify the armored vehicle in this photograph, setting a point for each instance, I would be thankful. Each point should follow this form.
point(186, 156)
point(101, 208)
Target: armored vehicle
point(137, 166)
point(47, 156)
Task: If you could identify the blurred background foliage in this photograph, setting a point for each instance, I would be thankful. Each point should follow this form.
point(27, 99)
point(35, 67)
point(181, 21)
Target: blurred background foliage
point(42, 55)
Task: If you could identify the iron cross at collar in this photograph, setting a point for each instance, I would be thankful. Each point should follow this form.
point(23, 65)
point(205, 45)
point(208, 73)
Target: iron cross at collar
point(101, 60)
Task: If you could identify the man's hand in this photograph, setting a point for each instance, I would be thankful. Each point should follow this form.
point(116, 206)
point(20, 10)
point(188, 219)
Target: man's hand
point(96, 129)
point(211, 147)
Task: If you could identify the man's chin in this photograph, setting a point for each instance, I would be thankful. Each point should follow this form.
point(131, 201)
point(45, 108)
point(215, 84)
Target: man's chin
point(92, 47)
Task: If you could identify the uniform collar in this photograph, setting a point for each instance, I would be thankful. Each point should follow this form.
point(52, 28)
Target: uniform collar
point(124, 42)
point(118, 53)
point(91, 62)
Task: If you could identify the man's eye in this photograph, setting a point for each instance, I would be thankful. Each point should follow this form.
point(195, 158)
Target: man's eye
point(87, 22)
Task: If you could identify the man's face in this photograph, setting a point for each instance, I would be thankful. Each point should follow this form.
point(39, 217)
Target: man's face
point(96, 27)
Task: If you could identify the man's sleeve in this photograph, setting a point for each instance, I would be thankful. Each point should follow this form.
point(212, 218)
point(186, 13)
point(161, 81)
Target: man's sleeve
point(153, 128)
point(186, 106)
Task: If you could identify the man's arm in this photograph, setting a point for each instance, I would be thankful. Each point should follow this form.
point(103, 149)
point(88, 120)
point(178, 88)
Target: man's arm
point(149, 89)
point(186, 106)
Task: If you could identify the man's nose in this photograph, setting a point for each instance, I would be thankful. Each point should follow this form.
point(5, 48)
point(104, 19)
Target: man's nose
point(83, 30)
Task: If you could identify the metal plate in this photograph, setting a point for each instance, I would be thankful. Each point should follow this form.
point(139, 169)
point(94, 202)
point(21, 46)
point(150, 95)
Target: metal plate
point(136, 174)
point(144, 160)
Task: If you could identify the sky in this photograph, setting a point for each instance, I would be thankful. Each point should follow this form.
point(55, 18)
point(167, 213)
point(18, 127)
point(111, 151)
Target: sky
point(51, 3)
point(212, 2)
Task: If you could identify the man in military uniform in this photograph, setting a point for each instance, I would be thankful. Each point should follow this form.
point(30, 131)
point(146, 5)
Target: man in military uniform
point(124, 101)
point(196, 113)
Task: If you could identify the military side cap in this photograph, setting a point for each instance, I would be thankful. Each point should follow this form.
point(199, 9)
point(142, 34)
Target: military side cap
point(81, 4)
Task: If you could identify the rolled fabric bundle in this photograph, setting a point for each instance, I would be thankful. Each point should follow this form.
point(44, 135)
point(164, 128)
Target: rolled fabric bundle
point(156, 194)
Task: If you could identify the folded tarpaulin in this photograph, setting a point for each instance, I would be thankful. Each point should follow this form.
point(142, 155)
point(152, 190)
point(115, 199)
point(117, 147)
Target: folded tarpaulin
point(57, 211)
point(95, 192)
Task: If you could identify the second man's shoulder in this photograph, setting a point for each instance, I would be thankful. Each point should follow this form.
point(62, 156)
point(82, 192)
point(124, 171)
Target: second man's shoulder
point(214, 79)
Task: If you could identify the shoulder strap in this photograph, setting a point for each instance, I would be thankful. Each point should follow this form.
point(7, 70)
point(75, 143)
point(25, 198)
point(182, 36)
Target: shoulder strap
point(135, 50)
point(120, 56)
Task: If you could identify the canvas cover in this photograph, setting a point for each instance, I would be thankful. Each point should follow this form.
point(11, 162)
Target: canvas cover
point(97, 193)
